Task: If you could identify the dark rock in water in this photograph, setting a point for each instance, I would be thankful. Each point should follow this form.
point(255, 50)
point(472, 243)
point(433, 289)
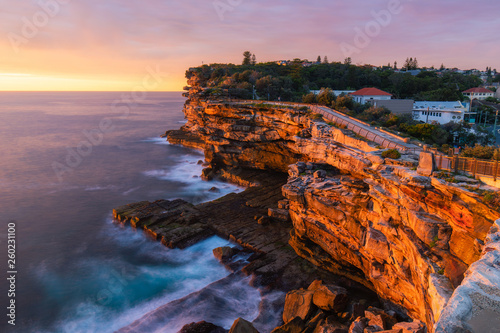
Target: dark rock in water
point(214, 189)
point(240, 325)
point(200, 162)
point(202, 327)
point(207, 174)
point(224, 253)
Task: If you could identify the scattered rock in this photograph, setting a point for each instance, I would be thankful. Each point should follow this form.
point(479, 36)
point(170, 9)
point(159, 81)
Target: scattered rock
point(202, 327)
point(319, 174)
point(264, 220)
point(296, 325)
point(357, 310)
point(224, 253)
point(200, 162)
point(301, 166)
point(214, 189)
point(315, 285)
point(279, 214)
point(415, 327)
point(376, 317)
point(372, 329)
point(330, 298)
point(240, 325)
point(284, 204)
point(330, 326)
point(359, 325)
point(298, 303)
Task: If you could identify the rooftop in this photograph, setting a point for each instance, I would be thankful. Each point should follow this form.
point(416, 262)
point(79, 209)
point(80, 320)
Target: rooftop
point(370, 92)
point(478, 90)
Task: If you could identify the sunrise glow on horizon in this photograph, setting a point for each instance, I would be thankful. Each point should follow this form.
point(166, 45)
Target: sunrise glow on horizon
point(56, 45)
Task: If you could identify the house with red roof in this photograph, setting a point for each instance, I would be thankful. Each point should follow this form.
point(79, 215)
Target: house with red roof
point(370, 94)
point(479, 93)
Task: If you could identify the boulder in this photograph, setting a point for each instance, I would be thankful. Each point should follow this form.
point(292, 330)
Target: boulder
point(330, 325)
point(279, 214)
point(330, 298)
point(415, 327)
point(315, 285)
point(319, 174)
point(426, 164)
point(377, 317)
point(201, 327)
point(224, 253)
point(357, 310)
point(359, 325)
point(298, 303)
point(240, 325)
point(296, 325)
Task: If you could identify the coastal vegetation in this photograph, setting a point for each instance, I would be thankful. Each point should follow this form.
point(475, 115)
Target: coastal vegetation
point(271, 80)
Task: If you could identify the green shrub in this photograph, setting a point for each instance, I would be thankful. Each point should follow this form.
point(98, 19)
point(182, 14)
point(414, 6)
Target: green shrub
point(391, 153)
point(317, 116)
point(478, 151)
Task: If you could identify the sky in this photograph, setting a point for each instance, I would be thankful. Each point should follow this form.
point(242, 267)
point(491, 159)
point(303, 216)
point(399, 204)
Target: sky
point(126, 45)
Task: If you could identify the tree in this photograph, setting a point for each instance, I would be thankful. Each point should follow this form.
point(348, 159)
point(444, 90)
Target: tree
point(254, 59)
point(442, 67)
point(310, 98)
point(347, 61)
point(395, 65)
point(325, 60)
point(247, 58)
point(318, 60)
point(326, 97)
point(411, 64)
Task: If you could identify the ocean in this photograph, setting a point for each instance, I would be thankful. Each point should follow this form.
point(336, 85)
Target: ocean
point(66, 160)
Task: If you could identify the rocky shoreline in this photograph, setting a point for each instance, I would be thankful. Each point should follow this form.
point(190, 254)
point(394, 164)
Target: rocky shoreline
point(254, 220)
point(322, 202)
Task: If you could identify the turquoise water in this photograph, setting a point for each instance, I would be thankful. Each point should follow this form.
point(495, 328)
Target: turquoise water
point(77, 270)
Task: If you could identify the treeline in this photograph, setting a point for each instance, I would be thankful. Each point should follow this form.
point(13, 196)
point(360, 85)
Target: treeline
point(291, 82)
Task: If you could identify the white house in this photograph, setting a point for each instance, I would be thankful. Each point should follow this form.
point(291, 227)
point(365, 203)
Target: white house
point(441, 112)
point(478, 93)
point(369, 94)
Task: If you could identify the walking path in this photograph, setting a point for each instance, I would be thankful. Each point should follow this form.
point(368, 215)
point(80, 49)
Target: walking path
point(377, 135)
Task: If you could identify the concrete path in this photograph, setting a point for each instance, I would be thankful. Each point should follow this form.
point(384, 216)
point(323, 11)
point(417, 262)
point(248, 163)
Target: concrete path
point(377, 135)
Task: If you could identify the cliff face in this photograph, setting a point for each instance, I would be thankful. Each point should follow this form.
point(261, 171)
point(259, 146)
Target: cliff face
point(375, 220)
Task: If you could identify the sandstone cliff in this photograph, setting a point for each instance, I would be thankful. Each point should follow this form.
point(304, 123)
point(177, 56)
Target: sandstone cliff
point(408, 237)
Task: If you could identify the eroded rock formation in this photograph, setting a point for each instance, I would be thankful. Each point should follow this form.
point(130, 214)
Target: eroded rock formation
point(407, 236)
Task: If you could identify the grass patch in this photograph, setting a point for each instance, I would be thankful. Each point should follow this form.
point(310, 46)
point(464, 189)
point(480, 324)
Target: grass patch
point(391, 153)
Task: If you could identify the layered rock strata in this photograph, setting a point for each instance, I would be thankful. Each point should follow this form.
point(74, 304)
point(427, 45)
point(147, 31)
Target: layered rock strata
point(407, 236)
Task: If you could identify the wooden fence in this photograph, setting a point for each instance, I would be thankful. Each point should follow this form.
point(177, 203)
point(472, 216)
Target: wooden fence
point(472, 166)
